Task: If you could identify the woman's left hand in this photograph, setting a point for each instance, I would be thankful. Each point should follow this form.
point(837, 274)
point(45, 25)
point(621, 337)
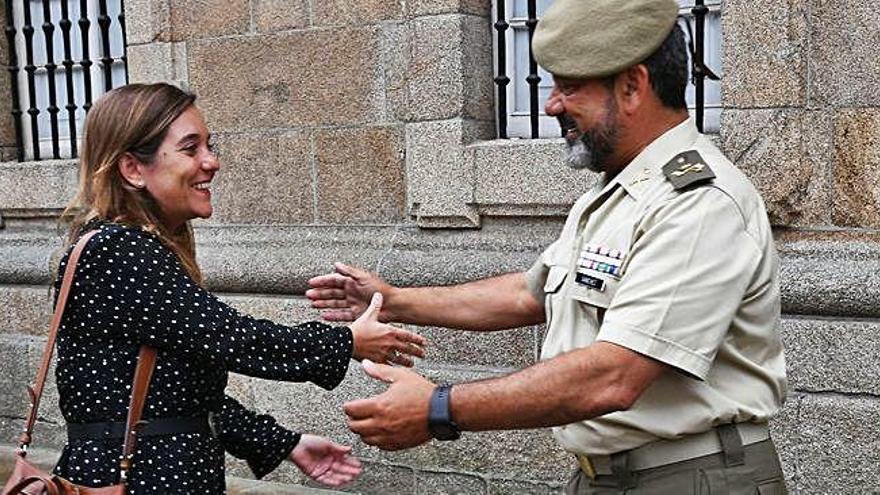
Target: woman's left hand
point(325, 461)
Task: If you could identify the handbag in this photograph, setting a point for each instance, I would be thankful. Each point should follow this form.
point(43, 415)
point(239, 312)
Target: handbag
point(27, 478)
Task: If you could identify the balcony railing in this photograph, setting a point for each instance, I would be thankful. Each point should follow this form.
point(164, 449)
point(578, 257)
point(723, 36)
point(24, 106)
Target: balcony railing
point(50, 101)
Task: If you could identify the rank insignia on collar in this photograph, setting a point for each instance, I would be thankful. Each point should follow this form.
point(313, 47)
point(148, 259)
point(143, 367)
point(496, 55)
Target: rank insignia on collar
point(686, 169)
point(644, 175)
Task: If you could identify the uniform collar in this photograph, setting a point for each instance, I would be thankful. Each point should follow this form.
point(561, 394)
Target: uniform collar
point(649, 163)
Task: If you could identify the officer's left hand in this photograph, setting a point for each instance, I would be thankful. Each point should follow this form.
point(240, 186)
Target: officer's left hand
point(396, 419)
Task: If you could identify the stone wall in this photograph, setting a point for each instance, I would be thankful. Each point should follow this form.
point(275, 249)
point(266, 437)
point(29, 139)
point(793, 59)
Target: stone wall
point(361, 132)
point(7, 131)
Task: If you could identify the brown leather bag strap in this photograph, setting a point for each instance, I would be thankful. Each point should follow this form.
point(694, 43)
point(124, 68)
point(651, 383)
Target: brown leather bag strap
point(37, 484)
point(36, 391)
point(142, 375)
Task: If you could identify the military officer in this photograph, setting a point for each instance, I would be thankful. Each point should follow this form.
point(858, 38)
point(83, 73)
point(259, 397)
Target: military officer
point(662, 363)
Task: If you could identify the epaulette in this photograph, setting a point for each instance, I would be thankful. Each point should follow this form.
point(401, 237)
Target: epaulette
point(686, 169)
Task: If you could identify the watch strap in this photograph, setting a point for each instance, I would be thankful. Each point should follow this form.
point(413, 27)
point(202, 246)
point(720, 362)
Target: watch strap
point(440, 422)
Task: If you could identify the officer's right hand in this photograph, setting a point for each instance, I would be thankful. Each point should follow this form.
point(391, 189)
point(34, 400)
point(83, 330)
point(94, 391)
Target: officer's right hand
point(345, 294)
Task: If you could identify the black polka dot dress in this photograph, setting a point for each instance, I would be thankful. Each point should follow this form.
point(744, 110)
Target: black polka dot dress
point(130, 290)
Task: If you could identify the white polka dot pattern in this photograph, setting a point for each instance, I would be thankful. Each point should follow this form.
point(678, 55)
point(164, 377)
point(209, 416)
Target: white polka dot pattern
point(130, 290)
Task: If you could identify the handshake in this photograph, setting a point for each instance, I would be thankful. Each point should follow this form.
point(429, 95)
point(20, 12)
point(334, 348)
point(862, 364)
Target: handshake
point(398, 418)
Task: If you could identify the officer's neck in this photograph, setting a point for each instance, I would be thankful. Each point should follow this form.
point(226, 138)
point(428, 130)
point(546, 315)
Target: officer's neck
point(638, 131)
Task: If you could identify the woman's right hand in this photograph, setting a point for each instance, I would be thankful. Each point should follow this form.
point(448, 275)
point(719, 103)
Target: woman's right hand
point(384, 343)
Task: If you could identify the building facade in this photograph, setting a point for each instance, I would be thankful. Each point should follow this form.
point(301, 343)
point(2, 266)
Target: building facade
point(366, 132)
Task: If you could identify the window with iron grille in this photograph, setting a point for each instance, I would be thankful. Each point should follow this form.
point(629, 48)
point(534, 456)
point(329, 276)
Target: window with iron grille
point(63, 54)
point(523, 87)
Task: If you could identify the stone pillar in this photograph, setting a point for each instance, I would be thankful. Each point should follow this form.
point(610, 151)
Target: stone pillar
point(447, 101)
point(7, 129)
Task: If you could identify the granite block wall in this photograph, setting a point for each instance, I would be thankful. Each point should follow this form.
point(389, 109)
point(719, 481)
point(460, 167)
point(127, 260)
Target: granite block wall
point(363, 132)
point(7, 130)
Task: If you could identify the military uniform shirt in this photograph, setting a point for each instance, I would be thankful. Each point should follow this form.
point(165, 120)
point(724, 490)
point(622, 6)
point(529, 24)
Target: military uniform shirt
point(683, 273)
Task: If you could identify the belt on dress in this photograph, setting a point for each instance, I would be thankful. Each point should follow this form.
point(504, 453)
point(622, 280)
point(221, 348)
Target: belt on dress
point(153, 427)
point(663, 452)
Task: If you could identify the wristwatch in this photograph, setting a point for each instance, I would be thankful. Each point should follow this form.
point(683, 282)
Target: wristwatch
point(440, 422)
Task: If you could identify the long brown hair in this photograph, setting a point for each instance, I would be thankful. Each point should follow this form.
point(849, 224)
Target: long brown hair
point(130, 119)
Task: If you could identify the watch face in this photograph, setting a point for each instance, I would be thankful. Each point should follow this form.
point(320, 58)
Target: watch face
point(445, 431)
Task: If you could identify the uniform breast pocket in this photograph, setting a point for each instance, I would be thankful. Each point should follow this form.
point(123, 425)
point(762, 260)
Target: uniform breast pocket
point(555, 278)
point(596, 291)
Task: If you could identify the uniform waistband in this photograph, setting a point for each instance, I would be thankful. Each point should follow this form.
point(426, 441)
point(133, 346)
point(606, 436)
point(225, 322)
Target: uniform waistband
point(663, 452)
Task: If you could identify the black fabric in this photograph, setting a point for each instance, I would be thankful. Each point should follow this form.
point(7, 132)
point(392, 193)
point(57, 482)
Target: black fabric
point(130, 290)
point(157, 426)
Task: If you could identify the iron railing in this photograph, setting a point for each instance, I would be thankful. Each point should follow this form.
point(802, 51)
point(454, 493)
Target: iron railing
point(502, 25)
point(38, 129)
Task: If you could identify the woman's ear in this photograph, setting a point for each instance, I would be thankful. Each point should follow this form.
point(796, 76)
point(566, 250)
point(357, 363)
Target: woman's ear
point(130, 170)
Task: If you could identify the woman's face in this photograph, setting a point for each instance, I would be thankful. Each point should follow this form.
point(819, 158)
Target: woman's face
point(179, 179)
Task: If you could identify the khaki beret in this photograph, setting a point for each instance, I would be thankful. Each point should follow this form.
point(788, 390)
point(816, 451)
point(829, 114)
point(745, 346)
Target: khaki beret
point(596, 38)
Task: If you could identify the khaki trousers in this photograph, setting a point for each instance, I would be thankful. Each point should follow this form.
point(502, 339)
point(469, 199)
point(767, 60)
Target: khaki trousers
point(757, 472)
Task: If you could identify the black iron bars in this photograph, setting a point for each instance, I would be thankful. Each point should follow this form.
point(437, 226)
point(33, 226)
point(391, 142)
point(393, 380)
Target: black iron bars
point(68, 63)
point(533, 78)
point(48, 31)
point(124, 56)
point(106, 59)
point(30, 68)
point(699, 71)
point(501, 80)
point(86, 62)
point(13, 77)
point(39, 81)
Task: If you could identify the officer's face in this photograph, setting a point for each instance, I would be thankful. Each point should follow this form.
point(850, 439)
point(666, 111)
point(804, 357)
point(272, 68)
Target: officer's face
point(587, 111)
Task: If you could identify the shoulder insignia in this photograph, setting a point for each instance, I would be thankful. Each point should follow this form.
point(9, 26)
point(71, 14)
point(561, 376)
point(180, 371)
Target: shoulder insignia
point(686, 169)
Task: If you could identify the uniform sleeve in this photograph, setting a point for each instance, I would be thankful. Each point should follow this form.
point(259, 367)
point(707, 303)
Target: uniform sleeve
point(256, 438)
point(536, 276)
point(685, 278)
point(146, 295)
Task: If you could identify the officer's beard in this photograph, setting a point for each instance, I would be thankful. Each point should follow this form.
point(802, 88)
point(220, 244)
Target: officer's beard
point(591, 148)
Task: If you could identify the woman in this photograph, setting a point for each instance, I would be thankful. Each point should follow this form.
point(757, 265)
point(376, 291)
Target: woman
point(146, 171)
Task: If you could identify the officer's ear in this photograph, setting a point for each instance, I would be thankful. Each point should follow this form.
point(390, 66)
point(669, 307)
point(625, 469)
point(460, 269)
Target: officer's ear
point(632, 87)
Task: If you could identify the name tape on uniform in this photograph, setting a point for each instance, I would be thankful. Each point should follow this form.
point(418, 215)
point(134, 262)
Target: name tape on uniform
point(590, 281)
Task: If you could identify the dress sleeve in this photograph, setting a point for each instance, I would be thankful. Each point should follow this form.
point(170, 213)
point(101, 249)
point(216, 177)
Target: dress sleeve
point(256, 438)
point(141, 290)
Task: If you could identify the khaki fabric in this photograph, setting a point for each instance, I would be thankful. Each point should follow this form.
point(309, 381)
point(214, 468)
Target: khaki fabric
point(687, 277)
point(761, 474)
point(597, 38)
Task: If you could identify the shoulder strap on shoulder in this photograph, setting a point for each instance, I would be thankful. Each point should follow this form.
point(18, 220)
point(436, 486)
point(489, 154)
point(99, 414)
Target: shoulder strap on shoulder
point(686, 169)
point(36, 391)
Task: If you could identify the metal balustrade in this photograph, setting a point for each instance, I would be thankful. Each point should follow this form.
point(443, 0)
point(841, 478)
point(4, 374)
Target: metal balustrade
point(82, 41)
